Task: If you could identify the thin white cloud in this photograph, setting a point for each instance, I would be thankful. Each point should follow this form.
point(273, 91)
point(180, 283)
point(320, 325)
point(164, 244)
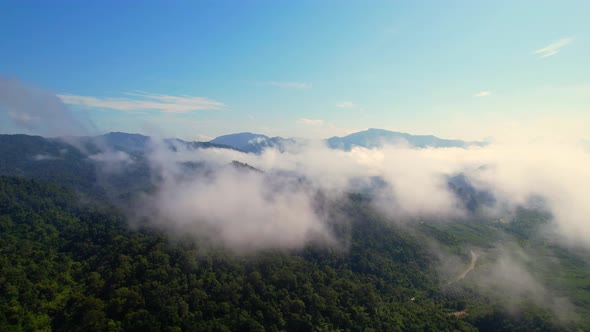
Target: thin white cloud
point(553, 48)
point(345, 104)
point(287, 84)
point(483, 94)
point(145, 101)
point(310, 122)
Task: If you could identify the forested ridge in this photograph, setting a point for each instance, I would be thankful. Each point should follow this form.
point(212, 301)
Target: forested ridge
point(67, 266)
point(71, 267)
point(71, 260)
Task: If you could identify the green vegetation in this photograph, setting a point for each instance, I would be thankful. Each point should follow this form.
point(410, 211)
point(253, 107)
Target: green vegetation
point(67, 267)
point(69, 261)
point(556, 297)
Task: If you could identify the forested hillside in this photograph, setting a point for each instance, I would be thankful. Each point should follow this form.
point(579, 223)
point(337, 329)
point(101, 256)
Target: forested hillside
point(348, 166)
point(67, 266)
point(72, 260)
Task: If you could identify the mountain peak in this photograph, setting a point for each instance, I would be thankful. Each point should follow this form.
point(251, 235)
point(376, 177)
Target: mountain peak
point(375, 137)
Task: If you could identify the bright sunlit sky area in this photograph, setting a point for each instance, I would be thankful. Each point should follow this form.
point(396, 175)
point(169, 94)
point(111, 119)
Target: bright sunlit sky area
point(199, 69)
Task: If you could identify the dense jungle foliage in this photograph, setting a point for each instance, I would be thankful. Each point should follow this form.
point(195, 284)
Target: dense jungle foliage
point(70, 260)
point(67, 266)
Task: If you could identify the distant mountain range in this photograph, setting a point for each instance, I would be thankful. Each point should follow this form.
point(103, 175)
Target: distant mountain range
point(136, 144)
point(374, 138)
point(371, 138)
point(74, 161)
point(25, 148)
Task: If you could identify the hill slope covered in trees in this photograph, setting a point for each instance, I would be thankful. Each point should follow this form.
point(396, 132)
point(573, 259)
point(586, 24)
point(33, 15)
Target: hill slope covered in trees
point(71, 259)
point(71, 267)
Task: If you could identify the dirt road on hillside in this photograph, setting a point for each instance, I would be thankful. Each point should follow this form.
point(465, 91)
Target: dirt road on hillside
point(474, 257)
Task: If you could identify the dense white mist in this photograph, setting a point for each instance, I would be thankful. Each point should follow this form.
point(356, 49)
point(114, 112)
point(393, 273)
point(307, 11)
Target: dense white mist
point(286, 202)
point(201, 193)
point(559, 173)
point(414, 181)
point(38, 111)
point(243, 208)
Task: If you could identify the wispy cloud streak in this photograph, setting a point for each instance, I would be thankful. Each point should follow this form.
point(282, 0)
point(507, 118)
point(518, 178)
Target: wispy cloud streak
point(553, 48)
point(145, 101)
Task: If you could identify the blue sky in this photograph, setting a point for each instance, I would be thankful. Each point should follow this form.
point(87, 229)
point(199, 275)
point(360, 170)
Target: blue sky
point(198, 69)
